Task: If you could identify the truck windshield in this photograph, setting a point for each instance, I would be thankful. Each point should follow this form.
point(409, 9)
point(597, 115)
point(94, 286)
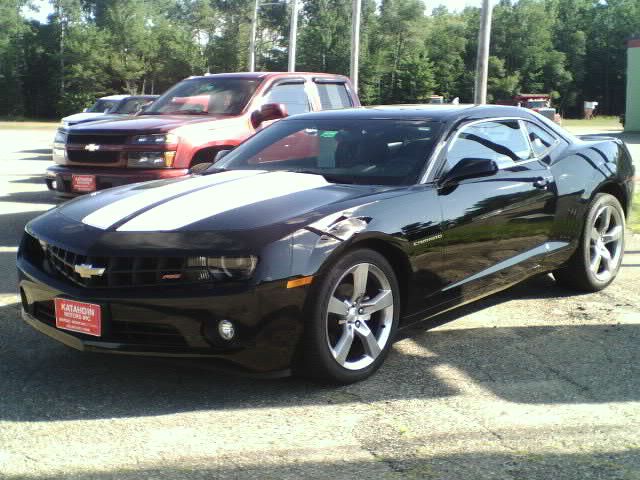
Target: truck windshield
point(370, 152)
point(205, 96)
point(102, 105)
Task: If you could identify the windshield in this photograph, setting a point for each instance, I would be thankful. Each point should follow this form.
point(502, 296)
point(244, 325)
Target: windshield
point(372, 152)
point(206, 96)
point(132, 105)
point(101, 105)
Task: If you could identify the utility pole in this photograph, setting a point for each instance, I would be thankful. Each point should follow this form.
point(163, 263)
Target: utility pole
point(252, 41)
point(482, 62)
point(293, 33)
point(355, 42)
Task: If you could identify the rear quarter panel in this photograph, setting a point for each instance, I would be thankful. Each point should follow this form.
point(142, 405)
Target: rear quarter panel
point(589, 165)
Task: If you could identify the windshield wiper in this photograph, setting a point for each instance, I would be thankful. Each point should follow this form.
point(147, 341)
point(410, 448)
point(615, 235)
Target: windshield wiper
point(327, 176)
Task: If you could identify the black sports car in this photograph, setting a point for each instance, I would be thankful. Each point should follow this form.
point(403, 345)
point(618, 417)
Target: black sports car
point(310, 244)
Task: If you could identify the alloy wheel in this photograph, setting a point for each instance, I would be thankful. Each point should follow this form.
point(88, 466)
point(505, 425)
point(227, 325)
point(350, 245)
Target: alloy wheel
point(359, 316)
point(605, 242)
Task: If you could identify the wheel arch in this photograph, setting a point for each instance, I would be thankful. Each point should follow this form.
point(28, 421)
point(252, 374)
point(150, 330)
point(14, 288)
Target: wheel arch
point(615, 190)
point(395, 255)
point(207, 153)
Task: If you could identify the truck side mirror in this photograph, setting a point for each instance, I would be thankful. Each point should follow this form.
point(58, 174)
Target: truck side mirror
point(220, 155)
point(269, 111)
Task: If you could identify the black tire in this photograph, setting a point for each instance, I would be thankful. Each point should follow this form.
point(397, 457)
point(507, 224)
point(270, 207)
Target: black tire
point(576, 274)
point(317, 360)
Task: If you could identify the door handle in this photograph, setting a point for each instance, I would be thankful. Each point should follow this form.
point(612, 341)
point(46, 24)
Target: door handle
point(541, 183)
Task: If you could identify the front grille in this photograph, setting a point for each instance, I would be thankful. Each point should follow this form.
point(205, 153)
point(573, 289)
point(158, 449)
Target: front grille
point(146, 334)
point(139, 333)
point(86, 156)
point(97, 139)
point(121, 271)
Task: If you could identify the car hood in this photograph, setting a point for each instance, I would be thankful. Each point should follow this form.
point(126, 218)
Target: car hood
point(81, 117)
point(146, 123)
point(229, 200)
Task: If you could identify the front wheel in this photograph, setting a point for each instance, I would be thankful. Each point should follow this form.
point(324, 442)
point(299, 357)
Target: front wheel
point(354, 313)
point(597, 260)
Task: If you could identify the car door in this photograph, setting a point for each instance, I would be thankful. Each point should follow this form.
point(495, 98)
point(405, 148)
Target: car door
point(496, 227)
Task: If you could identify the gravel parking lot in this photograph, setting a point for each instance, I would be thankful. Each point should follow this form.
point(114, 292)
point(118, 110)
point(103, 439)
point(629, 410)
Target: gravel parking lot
point(533, 383)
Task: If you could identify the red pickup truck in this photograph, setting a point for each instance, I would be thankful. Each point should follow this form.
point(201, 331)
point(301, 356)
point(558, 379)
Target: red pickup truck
point(186, 127)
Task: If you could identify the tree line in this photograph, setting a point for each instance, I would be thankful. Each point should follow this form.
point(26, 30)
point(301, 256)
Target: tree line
point(573, 49)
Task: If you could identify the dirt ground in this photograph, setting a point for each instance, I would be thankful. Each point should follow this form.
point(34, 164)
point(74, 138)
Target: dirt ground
point(533, 383)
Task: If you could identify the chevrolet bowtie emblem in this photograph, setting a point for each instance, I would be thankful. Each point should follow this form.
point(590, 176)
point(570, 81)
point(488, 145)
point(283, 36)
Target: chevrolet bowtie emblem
point(92, 147)
point(87, 270)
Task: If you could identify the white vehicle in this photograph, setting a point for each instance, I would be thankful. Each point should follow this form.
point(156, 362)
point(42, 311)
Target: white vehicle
point(113, 104)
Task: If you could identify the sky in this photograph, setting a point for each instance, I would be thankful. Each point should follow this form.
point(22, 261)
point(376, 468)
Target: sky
point(45, 9)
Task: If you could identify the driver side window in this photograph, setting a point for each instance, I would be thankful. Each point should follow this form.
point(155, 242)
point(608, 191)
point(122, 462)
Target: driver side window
point(502, 141)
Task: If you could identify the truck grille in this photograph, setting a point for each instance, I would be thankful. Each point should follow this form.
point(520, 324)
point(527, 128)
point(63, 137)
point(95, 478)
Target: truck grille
point(120, 271)
point(84, 156)
point(81, 139)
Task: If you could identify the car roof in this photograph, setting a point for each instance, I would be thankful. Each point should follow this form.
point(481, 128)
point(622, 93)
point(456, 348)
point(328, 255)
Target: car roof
point(268, 75)
point(441, 113)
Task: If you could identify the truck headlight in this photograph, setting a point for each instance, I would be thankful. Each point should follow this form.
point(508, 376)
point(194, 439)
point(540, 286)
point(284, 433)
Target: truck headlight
point(162, 139)
point(223, 268)
point(150, 159)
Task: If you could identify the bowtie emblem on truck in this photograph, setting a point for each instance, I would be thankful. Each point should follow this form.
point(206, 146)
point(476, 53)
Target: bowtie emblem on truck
point(92, 147)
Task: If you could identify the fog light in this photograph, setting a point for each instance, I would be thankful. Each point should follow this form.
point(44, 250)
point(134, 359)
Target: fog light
point(226, 329)
point(54, 184)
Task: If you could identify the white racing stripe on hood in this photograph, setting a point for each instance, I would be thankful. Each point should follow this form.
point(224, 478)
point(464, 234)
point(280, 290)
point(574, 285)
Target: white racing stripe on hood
point(106, 216)
point(208, 202)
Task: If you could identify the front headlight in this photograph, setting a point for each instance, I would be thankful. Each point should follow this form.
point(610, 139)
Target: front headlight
point(222, 268)
point(61, 136)
point(150, 159)
point(162, 139)
point(59, 142)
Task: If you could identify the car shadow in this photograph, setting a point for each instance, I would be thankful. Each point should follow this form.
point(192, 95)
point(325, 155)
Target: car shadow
point(39, 197)
point(37, 150)
point(395, 458)
point(535, 364)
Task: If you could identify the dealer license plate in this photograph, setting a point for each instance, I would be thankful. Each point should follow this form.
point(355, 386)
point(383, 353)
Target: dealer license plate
point(83, 183)
point(78, 317)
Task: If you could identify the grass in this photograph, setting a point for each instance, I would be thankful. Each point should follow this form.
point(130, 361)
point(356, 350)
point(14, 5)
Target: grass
point(12, 123)
point(634, 219)
point(608, 122)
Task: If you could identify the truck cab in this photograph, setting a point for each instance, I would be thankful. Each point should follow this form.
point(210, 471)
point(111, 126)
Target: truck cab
point(187, 126)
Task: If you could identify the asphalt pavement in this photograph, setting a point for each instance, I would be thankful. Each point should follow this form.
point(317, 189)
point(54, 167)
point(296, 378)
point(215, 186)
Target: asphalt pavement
point(533, 383)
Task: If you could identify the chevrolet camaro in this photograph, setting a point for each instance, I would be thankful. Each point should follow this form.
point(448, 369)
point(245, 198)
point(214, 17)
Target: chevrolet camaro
point(307, 247)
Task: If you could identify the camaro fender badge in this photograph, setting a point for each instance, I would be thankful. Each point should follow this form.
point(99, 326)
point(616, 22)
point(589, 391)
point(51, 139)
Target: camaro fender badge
point(428, 239)
point(86, 270)
point(92, 147)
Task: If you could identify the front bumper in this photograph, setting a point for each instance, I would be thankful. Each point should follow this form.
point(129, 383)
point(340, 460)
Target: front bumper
point(176, 321)
point(58, 177)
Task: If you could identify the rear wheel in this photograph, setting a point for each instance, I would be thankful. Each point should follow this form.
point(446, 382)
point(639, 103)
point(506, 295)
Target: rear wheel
point(597, 260)
point(354, 314)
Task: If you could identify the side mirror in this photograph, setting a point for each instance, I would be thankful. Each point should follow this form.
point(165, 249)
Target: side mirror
point(269, 111)
point(85, 110)
point(470, 168)
point(220, 155)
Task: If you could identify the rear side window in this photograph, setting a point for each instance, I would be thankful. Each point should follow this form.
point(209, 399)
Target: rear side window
point(504, 142)
point(292, 95)
point(333, 96)
point(541, 140)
